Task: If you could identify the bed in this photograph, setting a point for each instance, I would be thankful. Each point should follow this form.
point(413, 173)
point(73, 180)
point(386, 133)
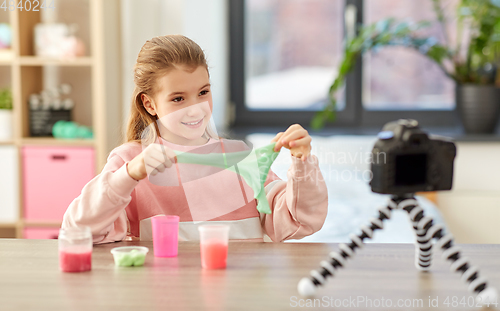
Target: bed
point(344, 163)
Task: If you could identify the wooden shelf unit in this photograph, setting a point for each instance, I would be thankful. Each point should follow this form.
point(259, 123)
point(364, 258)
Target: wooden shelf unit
point(96, 104)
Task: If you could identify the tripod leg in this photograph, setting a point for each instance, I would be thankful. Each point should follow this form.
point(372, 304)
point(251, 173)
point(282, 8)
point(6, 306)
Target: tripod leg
point(421, 224)
point(470, 274)
point(308, 286)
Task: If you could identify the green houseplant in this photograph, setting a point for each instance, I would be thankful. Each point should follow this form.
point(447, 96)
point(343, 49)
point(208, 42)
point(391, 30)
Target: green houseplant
point(6, 114)
point(472, 63)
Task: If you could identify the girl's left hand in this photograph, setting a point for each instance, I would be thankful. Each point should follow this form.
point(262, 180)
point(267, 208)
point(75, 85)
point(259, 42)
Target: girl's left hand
point(295, 138)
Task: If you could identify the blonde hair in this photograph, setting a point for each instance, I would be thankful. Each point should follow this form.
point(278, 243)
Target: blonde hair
point(156, 58)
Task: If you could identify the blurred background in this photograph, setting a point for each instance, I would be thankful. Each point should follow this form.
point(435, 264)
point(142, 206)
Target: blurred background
point(351, 65)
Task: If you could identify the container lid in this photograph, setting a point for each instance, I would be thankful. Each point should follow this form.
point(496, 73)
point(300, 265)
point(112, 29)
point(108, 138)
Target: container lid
point(126, 249)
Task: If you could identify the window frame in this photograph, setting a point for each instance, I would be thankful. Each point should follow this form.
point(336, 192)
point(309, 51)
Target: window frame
point(353, 115)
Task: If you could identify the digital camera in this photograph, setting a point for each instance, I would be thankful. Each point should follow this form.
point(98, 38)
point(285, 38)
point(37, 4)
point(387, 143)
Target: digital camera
point(405, 160)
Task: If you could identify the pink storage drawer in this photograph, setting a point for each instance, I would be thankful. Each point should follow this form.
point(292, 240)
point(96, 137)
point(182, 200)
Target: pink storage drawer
point(52, 178)
point(41, 233)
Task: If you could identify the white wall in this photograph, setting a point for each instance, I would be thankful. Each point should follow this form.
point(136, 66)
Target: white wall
point(472, 208)
point(203, 21)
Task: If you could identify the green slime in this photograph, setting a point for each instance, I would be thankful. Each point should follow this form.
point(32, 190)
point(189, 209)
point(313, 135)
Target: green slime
point(132, 258)
point(252, 165)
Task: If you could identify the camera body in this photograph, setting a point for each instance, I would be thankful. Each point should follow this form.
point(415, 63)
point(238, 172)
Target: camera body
point(406, 160)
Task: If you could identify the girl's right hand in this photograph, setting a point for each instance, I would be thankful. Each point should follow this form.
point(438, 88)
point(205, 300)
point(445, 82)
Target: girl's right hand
point(155, 158)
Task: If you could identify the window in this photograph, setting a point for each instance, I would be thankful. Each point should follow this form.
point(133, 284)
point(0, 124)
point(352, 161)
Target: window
point(285, 53)
point(397, 78)
point(287, 68)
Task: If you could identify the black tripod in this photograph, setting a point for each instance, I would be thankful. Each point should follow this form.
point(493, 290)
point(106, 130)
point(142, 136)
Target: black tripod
point(426, 231)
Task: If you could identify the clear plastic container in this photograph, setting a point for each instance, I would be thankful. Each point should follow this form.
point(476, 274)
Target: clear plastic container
point(75, 249)
point(213, 246)
point(129, 256)
point(165, 235)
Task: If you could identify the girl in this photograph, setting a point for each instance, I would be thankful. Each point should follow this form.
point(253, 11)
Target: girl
point(173, 98)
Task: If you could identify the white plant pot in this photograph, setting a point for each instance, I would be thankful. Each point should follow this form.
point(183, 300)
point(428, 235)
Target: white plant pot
point(6, 117)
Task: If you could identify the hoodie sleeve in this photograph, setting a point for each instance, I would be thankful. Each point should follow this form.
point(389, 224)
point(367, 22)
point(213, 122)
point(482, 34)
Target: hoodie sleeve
point(299, 205)
point(102, 202)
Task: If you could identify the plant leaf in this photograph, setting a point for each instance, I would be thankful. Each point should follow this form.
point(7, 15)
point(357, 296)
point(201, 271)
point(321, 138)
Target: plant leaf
point(317, 122)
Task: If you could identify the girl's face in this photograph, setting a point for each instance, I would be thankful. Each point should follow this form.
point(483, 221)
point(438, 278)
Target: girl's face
point(183, 104)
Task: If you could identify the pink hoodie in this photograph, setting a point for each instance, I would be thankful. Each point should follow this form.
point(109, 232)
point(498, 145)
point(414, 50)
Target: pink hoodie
point(115, 206)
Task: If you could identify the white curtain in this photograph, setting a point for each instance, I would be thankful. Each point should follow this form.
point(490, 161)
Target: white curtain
point(203, 21)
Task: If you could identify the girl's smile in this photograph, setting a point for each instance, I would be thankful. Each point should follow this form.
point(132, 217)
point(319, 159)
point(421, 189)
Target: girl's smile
point(194, 124)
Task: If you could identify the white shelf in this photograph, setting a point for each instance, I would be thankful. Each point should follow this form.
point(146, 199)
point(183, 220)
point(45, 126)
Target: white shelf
point(41, 61)
point(49, 141)
point(6, 56)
